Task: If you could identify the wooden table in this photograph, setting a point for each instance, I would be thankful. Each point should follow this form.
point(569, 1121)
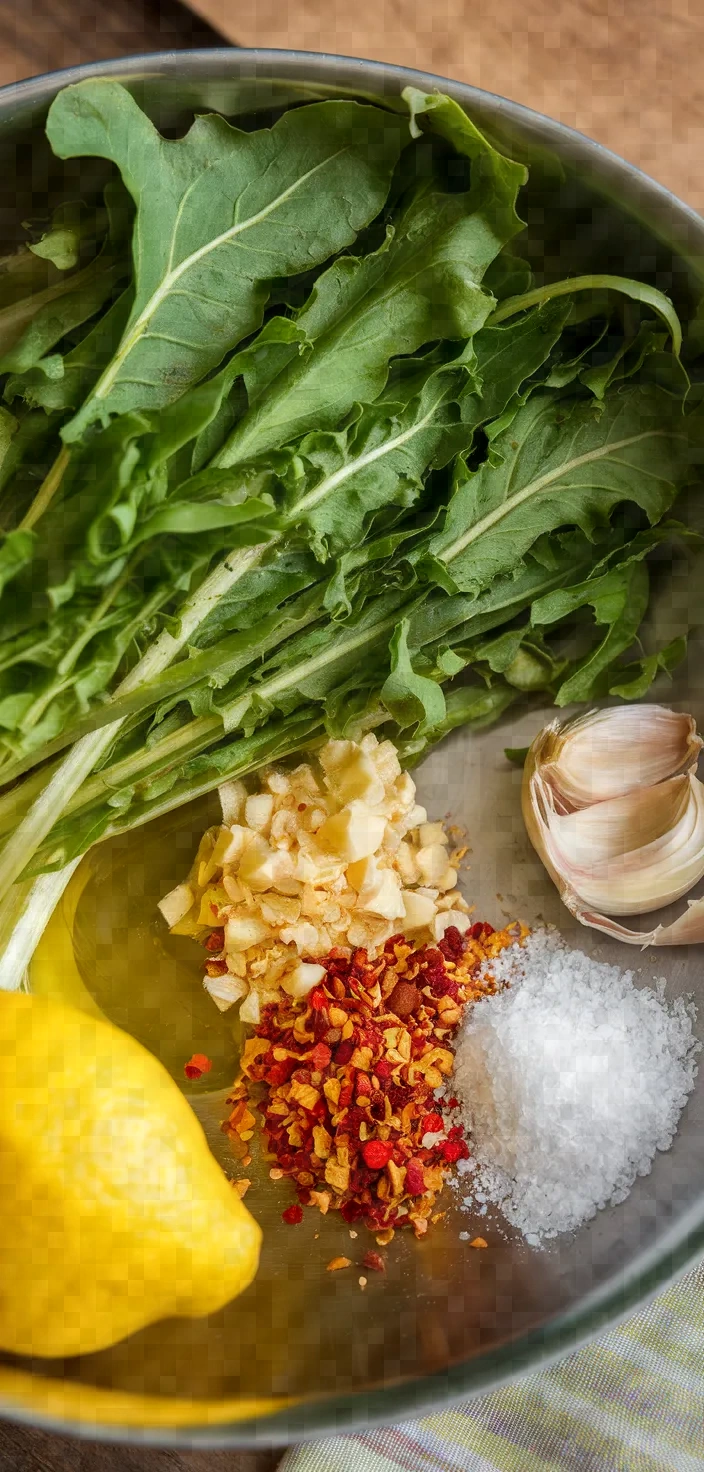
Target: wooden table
point(25, 1450)
point(42, 35)
point(628, 72)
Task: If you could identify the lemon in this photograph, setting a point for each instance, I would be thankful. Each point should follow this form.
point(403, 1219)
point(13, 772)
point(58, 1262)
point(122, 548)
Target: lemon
point(115, 1213)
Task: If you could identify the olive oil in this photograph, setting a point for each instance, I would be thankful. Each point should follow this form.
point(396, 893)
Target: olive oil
point(109, 950)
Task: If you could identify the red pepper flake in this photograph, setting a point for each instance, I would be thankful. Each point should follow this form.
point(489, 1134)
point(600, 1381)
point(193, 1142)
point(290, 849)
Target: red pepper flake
point(375, 1262)
point(215, 941)
point(377, 1153)
point(343, 1052)
point(197, 1066)
point(454, 1150)
point(345, 1116)
point(351, 1211)
point(320, 1056)
point(216, 968)
point(279, 1074)
point(415, 1182)
point(292, 1216)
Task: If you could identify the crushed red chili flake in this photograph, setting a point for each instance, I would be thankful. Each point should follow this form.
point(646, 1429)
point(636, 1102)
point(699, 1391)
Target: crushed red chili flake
point(377, 1153)
point(197, 1066)
point(415, 1181)
point(216, 968)
point(374, 1262)
point(320, 1056)
point(346, 1119)
point(215, 940)
point(293, 1216)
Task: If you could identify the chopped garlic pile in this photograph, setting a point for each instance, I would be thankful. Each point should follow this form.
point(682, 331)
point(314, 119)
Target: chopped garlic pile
point(344, 858)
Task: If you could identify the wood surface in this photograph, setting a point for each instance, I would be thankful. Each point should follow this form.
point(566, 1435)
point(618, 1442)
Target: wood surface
point(23, 1449)
point(629, 73)
point(43, 35)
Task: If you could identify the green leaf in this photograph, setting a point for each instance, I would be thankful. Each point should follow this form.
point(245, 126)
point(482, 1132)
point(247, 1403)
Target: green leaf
point(619, 600)
point(470, 706)
point(56, 383)
point(509, 355)
point(410, 698)
point(428, 413)
point(220, 213)
point(189, 519)
point(516, 755)
point(30, 328)
point(8, 430)
point(337, 481)
point(492, 171)
point(625, 362)
point(634, 680)
point(13, 708)
point(63, 241)
point(561, 464)
point(35, 324)
point(16, 550)
point(422, 285)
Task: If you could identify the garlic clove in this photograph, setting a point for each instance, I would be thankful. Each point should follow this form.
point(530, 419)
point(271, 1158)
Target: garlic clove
point(176, 904)
point(301, 980)
point(635, 853)
point(225, 990)
point(607, 753)
point(618, 844)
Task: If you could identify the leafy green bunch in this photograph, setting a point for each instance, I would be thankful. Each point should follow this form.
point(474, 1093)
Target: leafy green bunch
point(292, 442)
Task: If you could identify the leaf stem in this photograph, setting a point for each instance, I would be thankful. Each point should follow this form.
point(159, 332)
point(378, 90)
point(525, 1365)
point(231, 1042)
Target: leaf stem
point(637, 290)
point(47, 490)
point(23, 918)
point(82, 757)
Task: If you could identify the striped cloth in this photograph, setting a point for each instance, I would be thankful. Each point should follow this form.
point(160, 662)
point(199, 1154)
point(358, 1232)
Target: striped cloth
point(631, 1401)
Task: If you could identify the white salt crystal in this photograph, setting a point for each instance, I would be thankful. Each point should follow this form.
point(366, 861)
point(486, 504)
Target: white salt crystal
point(570, 1080)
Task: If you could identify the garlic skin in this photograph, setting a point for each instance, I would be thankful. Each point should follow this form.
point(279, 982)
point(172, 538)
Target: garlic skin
point(612, 806)
point(607, 753)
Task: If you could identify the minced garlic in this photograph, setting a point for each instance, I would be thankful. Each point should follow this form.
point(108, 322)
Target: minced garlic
point(342, 857)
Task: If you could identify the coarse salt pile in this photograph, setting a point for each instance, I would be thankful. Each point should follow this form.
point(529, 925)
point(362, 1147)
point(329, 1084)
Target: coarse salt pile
point(570, 1079)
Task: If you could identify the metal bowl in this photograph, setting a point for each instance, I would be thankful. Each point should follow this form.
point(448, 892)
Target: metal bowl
point(304, 1352)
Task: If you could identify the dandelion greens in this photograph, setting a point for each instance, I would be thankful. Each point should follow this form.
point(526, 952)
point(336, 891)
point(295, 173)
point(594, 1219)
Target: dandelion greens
point(295, 446)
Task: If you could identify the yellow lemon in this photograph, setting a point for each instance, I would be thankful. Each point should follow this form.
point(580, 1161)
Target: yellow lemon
point(115, 1213)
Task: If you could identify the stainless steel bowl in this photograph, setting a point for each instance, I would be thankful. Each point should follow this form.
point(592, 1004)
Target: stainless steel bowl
point(303, 1353)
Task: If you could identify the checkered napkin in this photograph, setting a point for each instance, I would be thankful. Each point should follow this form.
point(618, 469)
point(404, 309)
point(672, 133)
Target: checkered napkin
point(631, 1401)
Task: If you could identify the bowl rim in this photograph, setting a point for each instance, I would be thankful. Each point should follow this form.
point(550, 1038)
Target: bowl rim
point(649, 1273)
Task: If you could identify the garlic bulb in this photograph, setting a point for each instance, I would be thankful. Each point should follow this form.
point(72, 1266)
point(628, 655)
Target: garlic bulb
point(614, 809)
